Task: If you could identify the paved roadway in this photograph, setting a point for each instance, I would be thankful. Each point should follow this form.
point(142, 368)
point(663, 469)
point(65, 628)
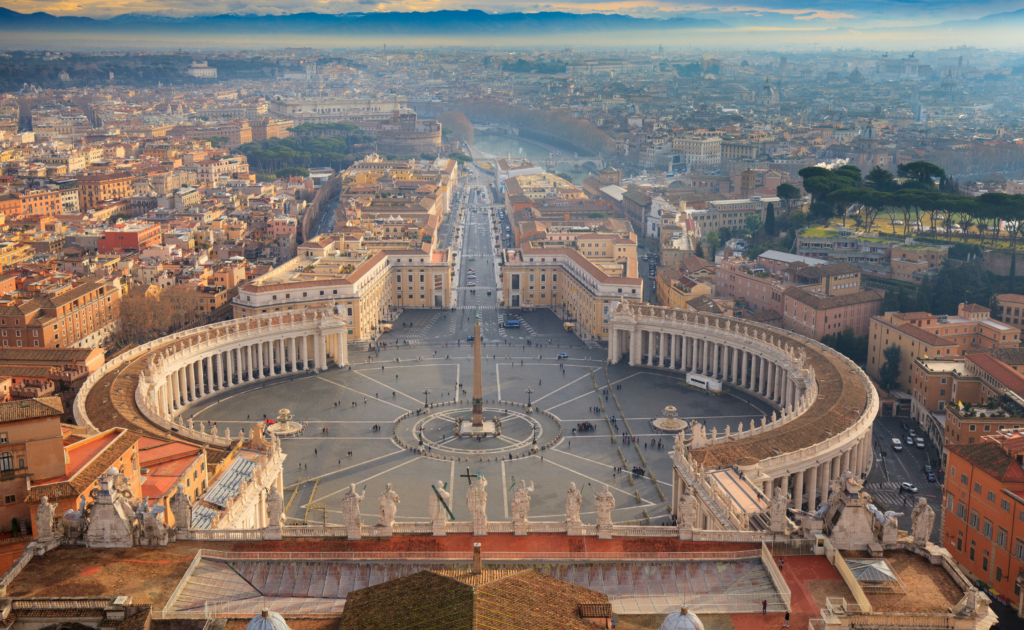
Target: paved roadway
point(892, 468)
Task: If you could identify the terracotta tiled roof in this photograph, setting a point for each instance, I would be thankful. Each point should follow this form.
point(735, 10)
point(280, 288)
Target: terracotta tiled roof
point(493, 600)
point(975, 308)
point(1011, 356)
point(924, 336)
point(998, 370)
point(991, 458)
point(28, 409)
point(90, 473)
point(822, 302)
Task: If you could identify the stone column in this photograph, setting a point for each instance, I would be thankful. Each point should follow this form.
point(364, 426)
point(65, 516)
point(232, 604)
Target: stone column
point(673, 341)
point(704, 357)
point(663, 351)
point(650, 347)
point(694, 343)
point(764, 377)
point(716, 348)
point(182, 388)
point(844, 462)
point(259, 359)
point(190, 383)
point(798, 490)
point(812, 489)
point(836, 470)
point(735, 364)
point(743, 368)
point(824, 478)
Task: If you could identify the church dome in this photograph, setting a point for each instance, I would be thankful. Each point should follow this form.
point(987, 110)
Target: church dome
point(267, 620)
point(682, 620)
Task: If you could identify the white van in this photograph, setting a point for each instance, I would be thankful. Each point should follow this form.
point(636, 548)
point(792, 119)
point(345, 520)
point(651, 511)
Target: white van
point(897, 445)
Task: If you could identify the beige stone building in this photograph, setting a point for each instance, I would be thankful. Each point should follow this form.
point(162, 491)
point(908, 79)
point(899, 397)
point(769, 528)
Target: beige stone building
point(573, 287)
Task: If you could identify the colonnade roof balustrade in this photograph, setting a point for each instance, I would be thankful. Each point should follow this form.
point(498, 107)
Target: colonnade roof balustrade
point(844, 401)
point(109, 396)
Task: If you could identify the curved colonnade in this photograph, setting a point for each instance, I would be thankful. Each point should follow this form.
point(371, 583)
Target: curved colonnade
point(151, 387)
point(825, 403)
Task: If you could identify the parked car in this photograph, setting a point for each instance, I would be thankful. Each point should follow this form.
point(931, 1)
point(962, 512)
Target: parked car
point(919, 442)
point(563, 355)
point(931, 477)
point(897, 445)
point(906, 486)
point(928, 469)
point(912, 433)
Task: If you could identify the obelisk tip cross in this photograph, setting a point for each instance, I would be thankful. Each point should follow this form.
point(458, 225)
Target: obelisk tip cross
point(478, 395)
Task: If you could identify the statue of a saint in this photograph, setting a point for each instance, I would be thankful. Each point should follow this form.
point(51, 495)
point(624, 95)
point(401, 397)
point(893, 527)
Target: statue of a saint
point(438, 514)
point(573, 501)
point(388, 507)
point(44, 521)
point(923, 518)
point(350, 507)
point(604, 503)
point(476, 500)
point(521, 501)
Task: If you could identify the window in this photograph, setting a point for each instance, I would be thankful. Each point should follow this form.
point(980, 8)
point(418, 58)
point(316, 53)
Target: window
point(961, 510)
point(9, 499)
point(974, 519)
point(1003, 503)
point(991, 496)
point(977, 487)
point(6, 462)
point(986, 528)
point(1001, 538)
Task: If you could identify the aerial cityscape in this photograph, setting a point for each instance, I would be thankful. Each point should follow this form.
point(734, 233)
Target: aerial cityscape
point(636, 315)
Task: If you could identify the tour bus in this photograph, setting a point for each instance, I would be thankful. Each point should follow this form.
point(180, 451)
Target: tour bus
point(512, 323)
point(704, 382)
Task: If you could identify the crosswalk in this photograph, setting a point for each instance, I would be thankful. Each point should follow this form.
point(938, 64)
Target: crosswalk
point(888, 495)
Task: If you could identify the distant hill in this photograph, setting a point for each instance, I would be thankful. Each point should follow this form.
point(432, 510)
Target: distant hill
point(436, 23)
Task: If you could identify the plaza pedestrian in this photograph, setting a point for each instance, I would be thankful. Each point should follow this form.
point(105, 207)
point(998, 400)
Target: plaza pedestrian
point(785, 624)
point(764, 606)
point(782, 563)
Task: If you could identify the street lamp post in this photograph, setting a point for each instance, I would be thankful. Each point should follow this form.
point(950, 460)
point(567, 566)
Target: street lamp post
point(529, 392)
point(426, 392)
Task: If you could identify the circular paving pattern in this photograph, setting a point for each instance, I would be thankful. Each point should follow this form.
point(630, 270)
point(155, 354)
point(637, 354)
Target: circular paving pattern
point(520, 433)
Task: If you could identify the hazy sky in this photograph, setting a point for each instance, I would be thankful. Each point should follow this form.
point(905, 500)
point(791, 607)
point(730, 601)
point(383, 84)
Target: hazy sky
point(799, 14)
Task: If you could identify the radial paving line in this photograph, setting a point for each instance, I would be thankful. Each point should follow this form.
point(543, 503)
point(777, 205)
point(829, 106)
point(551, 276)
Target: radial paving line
point(611, 429)
point(653, 479)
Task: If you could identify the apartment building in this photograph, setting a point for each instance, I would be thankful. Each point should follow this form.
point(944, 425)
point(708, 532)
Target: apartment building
point(699, 152)
point(30, 446)
point(730, 213)
point(982, 521)
point(369, 288)
point(816, 315)
point(914, 262)
point(134, 236)
point(93, 190)
point(560, 278)
point(926, 335)
point(80, 317)
point(844, 247)
point(1009, 308)
point(676, 288)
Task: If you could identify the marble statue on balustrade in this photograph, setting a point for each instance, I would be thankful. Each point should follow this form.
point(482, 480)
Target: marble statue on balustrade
point(275, 514)
point(44, 521)
point(476, 501)
point(350, 512)
point(604, 503)
point(439, 497)
point(521, 508)
point(181, 508)
point(573, 503)
point(74, 523)
point(111, 523)
point(387, 508)
point(150, 528)
point(923, 518)
point(686, 512)
point(777, 510)
point(890, 526)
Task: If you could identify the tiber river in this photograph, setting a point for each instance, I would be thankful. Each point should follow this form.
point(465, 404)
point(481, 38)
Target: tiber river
point(503, 146)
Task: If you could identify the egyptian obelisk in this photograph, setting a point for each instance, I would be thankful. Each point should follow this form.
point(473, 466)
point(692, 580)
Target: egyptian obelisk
point(478, 394)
